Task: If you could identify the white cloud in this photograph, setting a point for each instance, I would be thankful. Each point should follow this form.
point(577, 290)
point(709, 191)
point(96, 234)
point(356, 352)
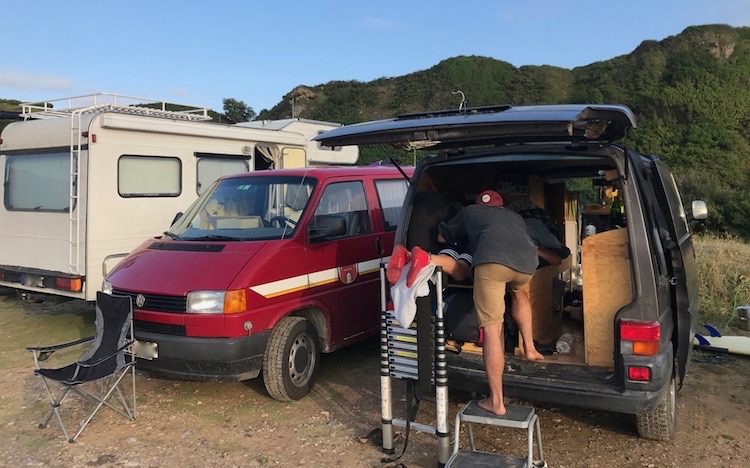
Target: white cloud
point(23, 81)
point(379, 23)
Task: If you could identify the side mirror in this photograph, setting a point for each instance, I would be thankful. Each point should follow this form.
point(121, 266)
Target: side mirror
point(325, 227)
point(699, 210)
point(176, 218)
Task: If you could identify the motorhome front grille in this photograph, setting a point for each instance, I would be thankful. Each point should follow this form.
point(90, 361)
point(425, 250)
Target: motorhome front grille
point(155, 302)
point(162, 328)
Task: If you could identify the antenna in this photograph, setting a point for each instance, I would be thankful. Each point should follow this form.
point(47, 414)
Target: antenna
point(462, 105)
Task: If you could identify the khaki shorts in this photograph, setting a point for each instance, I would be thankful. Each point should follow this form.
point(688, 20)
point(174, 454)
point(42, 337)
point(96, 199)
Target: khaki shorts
point(490, 283)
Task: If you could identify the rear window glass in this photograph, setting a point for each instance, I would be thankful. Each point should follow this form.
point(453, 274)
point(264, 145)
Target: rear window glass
point(38, 182)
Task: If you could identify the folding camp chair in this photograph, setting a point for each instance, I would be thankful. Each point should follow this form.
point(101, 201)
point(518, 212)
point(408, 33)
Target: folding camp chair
point(110, 357)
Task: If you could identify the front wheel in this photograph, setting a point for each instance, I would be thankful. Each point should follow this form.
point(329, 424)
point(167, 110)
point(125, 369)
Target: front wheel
point(661, 422)
point(292, 359)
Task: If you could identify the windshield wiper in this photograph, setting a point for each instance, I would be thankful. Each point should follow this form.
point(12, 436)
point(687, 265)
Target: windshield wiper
point(172, 235)
point(214, 237)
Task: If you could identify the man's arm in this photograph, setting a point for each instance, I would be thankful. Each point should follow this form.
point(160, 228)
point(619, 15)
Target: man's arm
point(548, 256)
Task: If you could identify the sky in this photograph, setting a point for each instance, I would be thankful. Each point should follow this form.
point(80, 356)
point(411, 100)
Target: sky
point(200, 52)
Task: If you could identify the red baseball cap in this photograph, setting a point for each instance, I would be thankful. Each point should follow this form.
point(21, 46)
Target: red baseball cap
point(489, 198)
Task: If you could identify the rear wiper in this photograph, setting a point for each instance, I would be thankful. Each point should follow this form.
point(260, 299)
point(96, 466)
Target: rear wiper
point(214, 237)
point(172, 235)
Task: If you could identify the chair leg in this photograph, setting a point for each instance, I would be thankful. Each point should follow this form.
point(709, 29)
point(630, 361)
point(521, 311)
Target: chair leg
point(66, 390)
point(102, 402)
point(55, 403)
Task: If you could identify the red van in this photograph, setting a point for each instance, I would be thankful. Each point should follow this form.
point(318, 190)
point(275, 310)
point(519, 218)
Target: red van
point(265, 271)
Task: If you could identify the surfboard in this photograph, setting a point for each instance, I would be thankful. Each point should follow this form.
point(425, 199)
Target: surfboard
point(733, 344)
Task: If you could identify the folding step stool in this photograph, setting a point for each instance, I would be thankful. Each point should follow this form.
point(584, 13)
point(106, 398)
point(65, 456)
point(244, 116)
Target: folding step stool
point(520, 417)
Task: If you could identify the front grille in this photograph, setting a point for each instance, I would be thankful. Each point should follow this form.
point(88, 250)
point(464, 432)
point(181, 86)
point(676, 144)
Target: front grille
point(156, 302)
point(163, 328)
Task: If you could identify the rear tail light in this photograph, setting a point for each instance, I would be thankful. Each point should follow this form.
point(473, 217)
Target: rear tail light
point(69, 284)
point(642, 374)
point(639, 338)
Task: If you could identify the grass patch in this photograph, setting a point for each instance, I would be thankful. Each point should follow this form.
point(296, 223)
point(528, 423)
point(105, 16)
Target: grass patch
point(19, 329)
point(724, 278)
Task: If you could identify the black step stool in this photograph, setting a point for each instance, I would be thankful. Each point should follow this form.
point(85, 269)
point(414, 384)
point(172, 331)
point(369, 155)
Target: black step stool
point(520, 417)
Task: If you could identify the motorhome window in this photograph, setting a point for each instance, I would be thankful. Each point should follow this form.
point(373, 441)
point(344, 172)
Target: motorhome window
point(212, 167)
point(149, 176)
point(266, 157)
point(38, 182)
point(346, 200)
point(391, 194)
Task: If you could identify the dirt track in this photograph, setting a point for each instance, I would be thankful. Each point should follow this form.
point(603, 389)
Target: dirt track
point(236, 424)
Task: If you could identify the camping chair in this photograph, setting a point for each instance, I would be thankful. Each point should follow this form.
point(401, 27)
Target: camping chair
point(110, 356)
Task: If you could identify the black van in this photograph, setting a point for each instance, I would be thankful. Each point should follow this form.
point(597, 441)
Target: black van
point(624, 298)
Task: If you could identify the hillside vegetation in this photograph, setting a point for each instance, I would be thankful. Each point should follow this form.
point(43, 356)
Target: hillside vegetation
point(690, 94)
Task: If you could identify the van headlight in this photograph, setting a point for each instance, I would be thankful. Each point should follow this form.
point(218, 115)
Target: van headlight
point(216, 302)
point(106, 287)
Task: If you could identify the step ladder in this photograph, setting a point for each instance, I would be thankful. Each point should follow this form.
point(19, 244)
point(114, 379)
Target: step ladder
point(519, 417)
point(399, 360)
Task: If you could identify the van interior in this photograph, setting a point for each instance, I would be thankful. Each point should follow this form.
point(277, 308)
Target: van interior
point(578, 201)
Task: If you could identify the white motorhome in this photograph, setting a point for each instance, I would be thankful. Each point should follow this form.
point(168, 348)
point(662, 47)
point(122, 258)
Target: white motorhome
point(88, 178)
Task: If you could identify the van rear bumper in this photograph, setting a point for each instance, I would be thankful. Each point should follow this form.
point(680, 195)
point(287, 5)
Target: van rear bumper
point(191, 358)
point(564, 385)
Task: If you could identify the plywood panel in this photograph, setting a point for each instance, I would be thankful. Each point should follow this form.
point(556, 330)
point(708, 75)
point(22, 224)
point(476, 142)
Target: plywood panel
point(607, 287)
point(545, 322)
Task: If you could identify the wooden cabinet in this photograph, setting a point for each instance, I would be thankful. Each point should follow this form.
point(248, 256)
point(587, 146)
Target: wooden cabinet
point(607, 287)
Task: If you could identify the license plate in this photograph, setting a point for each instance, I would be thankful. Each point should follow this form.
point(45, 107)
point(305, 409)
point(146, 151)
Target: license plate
point(146, 349)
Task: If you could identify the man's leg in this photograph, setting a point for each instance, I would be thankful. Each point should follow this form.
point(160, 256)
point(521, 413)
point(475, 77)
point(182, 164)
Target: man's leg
point(489, 301)
point(521, 312)
point(493, 352)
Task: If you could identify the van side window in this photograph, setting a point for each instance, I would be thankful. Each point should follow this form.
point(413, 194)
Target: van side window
point(391, 194)
point(212, 167)
point(149, 176)
point(38, 182)
point(346, 200)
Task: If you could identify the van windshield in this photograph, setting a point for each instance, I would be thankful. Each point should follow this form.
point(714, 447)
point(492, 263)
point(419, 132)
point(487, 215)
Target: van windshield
point(247, 208)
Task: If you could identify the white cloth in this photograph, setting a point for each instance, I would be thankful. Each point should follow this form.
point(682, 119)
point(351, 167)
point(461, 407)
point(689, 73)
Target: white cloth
point(404, 298)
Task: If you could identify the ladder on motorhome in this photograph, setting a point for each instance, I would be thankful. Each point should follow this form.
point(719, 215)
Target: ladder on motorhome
point(75, 108)
point(74, 210)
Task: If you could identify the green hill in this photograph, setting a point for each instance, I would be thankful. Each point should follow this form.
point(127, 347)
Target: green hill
point(690, 94)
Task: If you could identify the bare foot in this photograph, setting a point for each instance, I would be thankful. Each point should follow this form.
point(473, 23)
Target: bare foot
point(487, 405)
point(534, 355)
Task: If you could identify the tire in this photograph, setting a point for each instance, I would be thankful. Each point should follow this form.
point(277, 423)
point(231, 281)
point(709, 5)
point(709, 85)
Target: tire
point(292, 359)
point(661, 422)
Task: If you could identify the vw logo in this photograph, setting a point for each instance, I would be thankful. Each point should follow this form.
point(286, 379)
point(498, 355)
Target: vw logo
point(140, 299)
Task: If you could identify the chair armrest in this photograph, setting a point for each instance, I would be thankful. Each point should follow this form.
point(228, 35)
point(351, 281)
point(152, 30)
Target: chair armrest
point(52, 348)
point(105, 358)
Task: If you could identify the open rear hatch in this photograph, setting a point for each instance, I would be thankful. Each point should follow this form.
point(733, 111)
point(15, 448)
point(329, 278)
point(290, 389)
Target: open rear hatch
point(496, 125)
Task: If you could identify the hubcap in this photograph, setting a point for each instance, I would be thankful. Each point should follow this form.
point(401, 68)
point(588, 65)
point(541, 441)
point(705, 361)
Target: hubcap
point(301, 360)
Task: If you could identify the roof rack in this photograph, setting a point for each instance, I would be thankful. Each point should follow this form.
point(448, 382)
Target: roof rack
point(65, 107)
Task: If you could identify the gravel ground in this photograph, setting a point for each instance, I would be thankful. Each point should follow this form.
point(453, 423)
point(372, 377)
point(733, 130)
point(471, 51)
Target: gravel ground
point(236, 424)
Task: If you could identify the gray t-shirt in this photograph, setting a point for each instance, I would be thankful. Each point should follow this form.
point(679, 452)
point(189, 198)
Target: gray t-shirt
point(496, 235)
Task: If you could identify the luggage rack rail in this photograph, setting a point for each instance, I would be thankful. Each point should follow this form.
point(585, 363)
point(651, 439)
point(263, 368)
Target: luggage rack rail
point(66, 107)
